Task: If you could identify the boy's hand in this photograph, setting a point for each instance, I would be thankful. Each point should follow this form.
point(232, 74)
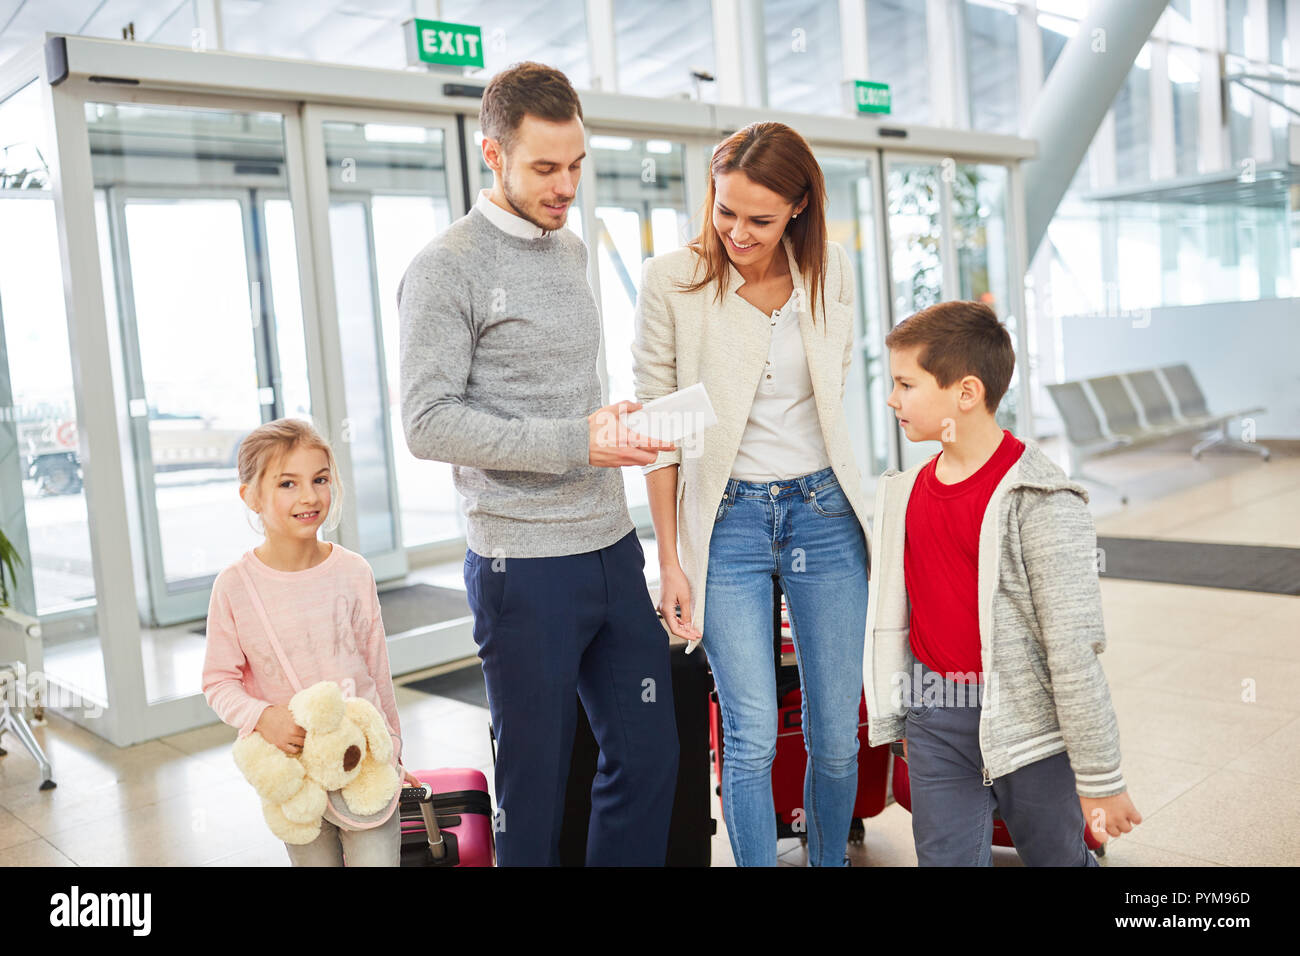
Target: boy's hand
point(278, 726)
point(1110, 816)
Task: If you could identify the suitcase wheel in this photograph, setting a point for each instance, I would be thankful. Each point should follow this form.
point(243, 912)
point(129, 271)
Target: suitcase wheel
point(857, 831)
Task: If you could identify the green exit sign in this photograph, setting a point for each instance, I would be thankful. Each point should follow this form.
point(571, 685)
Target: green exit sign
point(448, 44)
point(871, 97)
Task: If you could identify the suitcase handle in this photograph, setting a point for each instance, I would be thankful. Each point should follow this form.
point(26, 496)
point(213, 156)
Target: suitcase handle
point(437, 846)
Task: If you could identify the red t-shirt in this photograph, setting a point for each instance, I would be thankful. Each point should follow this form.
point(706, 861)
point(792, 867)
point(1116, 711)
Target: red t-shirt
point(941, 561)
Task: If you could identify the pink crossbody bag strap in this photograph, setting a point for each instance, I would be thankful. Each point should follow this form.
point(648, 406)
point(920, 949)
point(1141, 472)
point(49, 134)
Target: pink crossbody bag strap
point(260, 608)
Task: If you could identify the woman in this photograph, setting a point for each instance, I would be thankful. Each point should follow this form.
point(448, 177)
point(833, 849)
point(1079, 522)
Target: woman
point(759, 308)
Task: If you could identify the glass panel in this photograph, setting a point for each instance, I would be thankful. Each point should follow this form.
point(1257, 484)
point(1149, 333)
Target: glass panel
point(286, 299)
point(992, 67)
point(1185, 78)
point(388, 197)
point(199, 371)
point(914, 234)
point(1056, 32)
point(898, 54)
point(1235, 20)
point(983, 242)
point(638, 185)
point(659, 45)
point(802, 40)
point(1133, 123)
point(915, 197)
point(851, 210)
point(364, 426)
point(41, 491)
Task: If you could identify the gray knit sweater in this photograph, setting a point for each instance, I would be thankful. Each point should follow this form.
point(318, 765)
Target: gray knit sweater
point(499, 342)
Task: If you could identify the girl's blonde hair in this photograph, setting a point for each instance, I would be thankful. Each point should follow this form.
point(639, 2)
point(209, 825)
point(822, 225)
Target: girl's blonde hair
point(272, 442)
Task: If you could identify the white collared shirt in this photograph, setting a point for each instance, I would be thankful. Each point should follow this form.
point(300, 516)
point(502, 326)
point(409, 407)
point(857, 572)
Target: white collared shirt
point(783, 437)
point(505, 220)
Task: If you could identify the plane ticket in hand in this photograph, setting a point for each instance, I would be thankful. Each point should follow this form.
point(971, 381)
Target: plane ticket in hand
point(681, 414)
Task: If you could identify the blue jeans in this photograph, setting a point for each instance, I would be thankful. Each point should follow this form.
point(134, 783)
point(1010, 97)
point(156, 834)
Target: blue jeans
point(952, 808)
point(804, 530)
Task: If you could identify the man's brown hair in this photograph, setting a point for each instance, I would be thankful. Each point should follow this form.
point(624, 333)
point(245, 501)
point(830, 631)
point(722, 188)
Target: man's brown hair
point(957, 339)
point(526, 88)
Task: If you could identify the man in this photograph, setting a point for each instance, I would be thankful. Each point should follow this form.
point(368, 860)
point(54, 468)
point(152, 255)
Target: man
point(499, 343)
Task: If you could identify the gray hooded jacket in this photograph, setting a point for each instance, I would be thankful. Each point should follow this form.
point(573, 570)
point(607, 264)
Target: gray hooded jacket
point(1039, 620)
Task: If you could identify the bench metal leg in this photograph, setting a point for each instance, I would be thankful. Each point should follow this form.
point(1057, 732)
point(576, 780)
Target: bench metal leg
point(16, 722)
point(1093, 479)
point(1078, 474)
point(1221, 437)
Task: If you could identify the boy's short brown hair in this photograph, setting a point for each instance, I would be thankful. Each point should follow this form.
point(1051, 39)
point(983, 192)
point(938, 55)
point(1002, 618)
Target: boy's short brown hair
point(526, 88)
point(957, 339)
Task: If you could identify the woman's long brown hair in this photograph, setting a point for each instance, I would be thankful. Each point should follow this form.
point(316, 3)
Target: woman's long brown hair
point(778, 158)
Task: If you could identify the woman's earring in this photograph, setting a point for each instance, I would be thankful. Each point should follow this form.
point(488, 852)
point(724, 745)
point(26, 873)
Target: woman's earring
point(795, 216)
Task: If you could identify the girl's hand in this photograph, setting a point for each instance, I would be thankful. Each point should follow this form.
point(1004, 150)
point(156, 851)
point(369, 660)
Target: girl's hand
point(410, 780)
point(278, 726)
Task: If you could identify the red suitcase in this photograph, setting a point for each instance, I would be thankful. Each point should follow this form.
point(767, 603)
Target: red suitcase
point(1001, 836)
point(452, 825)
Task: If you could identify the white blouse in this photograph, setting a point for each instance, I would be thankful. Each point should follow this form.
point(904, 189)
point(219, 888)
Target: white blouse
point(783, 437)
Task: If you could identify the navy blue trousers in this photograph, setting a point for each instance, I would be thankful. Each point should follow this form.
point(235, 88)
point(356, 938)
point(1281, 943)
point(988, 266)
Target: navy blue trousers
point(551, 630)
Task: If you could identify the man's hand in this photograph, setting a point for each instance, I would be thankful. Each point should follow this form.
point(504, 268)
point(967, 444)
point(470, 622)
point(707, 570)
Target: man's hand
point(1109, 816)
point(612, 445)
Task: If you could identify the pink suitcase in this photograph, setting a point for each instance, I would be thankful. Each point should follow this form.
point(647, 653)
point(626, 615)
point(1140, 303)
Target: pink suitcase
point(450, 827)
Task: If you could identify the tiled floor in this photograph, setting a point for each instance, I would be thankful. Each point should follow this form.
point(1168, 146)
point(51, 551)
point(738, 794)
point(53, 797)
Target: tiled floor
point(1203, 681)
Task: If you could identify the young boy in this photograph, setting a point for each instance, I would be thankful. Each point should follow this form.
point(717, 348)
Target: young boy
point(984, 622)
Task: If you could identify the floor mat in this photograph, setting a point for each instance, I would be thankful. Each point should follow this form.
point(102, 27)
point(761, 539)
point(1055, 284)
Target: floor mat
point(1205, 564)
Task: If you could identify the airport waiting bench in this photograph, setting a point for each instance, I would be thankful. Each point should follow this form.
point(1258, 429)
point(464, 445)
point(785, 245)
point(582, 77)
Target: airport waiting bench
point(1129, 409)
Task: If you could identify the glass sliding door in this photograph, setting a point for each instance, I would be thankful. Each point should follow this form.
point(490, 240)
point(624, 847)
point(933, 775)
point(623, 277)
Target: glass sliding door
point(203, 267)
point(641, 211)
point(393, 185)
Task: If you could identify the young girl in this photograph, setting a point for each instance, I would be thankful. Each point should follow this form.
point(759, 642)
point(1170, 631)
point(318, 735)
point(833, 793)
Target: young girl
point(323, 606)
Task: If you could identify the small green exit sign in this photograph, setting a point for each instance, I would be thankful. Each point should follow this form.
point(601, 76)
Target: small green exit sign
point(871, 97)
point(448, 44)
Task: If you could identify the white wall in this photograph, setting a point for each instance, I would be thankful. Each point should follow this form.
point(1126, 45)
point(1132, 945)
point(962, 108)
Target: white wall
point(1242, 353)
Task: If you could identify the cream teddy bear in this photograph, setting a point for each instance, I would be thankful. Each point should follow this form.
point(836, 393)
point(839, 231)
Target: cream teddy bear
point(347, 748)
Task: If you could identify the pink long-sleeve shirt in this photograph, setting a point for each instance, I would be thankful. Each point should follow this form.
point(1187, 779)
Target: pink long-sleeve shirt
point(328, 624)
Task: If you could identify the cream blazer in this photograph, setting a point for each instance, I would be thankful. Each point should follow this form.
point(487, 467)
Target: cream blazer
point(688, 337)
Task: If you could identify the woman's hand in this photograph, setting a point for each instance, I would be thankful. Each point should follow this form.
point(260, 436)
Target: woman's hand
point(675, 592)
point(278, 726)
point(410, 780)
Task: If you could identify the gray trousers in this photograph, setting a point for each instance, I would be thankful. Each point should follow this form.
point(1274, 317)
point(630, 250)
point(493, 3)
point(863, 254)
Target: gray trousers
point(952, 809)
point(380, 846)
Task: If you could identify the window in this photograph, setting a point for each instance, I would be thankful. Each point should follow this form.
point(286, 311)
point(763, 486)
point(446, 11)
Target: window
point(804, 66)
point(659, 45)
point(897, 54)
point(992, 67)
